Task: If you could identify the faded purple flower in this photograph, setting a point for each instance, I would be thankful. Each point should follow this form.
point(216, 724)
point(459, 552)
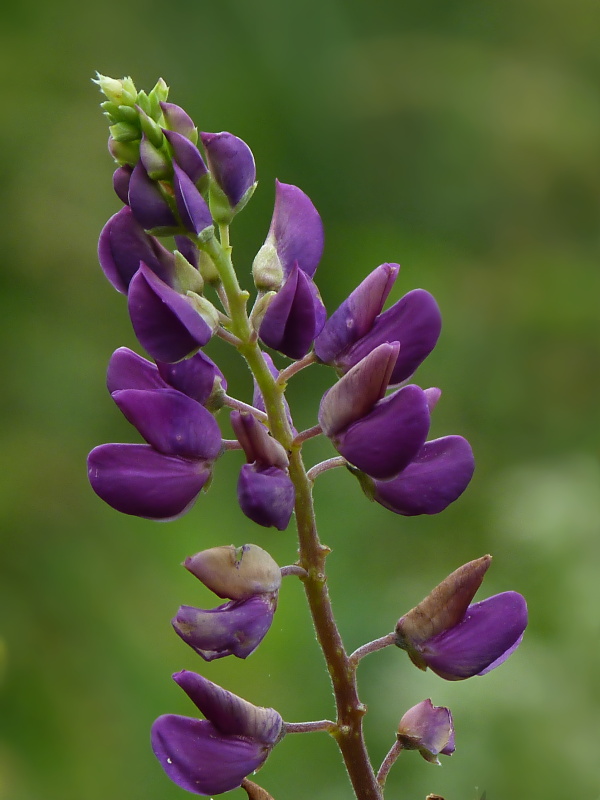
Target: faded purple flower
point(214, 755)
point(457, 640)
point(166, 323)
point(428, 729)
point(294, 316)
point(236, 573)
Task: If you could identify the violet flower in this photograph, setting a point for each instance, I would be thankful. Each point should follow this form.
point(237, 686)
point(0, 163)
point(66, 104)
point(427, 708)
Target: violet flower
point(147, 202)
point(191, 206)
point(295, 235)
point(294, 316)
point(123, 244)
point(179, 121)
point(214, 755)
point(265, 491)
point(250, 579)
point(233, 170)
point(161, 479)
point(357, 326)
point(188, 157)
point(428, 729)
point(166, 323)
point(457, 640)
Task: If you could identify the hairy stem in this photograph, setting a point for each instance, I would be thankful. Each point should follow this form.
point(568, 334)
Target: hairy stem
point(347, 730)
point(388, 763)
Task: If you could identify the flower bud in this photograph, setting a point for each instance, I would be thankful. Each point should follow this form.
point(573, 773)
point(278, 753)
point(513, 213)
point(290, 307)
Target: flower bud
point(121, 92)
point(148, 203)
point(121, 178)
point(266, 495)
point(428, 729)
point(266, 268)
point(294, 316)
point(156, 164)
point(166, 323)
point(257, 443)
point(233, 170)
point(187, 276)
point(188, 157)
point(192, 207)
point(124, 152)
point(236, 573)
point(179, 121)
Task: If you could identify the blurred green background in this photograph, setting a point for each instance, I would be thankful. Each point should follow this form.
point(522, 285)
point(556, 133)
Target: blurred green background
point(460, 138)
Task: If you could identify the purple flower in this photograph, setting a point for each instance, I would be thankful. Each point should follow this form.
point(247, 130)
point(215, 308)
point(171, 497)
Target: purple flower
point(121, 178)
point(162, 479)
point(193, 210)
point(187, 156)
point(357, 326)
point(296, 232)
point(356, 315)
point(435, 478)
point(250, 579)
point(179, 120)
point(265, 491)
point(198, 377)
point(147, 202)
point(232, 167)
point(428, 729)
point(457, 640)
point(123, 244)
point(214, 755)
point(294, 316)
point(166, 323)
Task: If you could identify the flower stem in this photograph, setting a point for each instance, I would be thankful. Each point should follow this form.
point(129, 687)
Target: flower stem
point(388, 763)
point(323, 466)
point(372, 647)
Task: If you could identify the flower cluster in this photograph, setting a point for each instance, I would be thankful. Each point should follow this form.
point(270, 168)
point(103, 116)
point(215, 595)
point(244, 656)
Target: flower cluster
point(175, 182)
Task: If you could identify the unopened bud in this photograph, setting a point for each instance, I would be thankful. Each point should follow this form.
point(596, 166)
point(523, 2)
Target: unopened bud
point(188, 277)
point(206, 310)
point(267, 270)
point(121, 92)
point(236, 573)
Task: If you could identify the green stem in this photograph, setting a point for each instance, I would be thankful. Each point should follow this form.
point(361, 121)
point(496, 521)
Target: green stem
point(347, 730)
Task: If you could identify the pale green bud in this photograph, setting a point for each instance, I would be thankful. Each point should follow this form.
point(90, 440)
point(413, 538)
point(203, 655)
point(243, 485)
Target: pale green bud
point(188, 277)
point(206, 310)
point(267, 270)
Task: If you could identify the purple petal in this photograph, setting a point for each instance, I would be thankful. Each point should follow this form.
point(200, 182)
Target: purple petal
point(148, 205)
point(128, 370)
point(164, 321)
point(487, 635)
point(266, 496)
point(123, 244)
point(135, 479)
point(296, 230)
point(201, 760)
point(235, 628)
point(439, 474)
point(230, 714)
point(121, 178)
point(171, 422)
point(384, 442)
point(258, 445)
point(427, 727)
point(193, 376)
point(192, 207)
point(356, 315)
point(231, 164)
point(186, 155)
point(294, 316)
point(178, 120)
point(187, 249)
point(355, 394)
point(414, 321)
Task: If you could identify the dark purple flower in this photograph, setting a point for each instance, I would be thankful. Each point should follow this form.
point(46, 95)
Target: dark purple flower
point(165, 322)
point(296, 231)
point(414, 321)
point(123, 244)
point(265, 491)
point(436, 477)
point(356, 315)
point(179, 120)
point(294, 317)
point(234, 628)
point(162, 479)
point(121, 178)
point(387, 439)
point(147, 202)
point(187, 156)
point(428, 729)
point(214, 755)
point(136, 479)
point(457, 640)
point(193, 210)
point(231, 165)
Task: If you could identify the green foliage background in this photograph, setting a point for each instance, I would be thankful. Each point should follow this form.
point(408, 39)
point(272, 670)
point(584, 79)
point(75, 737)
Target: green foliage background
point(458, 137)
